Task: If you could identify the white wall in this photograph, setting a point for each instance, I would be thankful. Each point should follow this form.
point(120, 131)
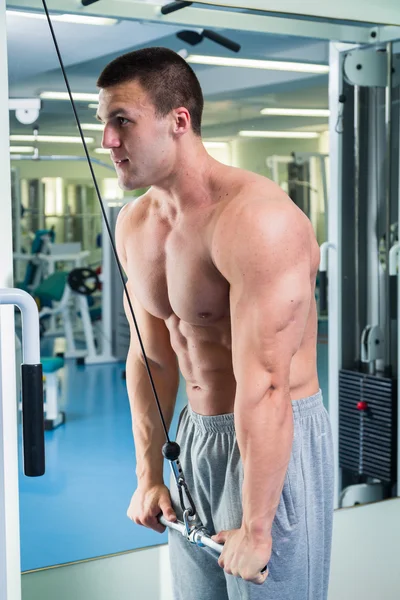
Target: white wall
point(366, 550)
point(251, 153)
point(223, 155)
point(133, 576)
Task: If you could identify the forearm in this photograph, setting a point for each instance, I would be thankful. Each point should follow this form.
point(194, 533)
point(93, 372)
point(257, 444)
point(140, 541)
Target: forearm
point(265, 437)
point(148, 432)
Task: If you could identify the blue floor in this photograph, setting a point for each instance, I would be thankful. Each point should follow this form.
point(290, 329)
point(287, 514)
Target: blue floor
point(78, 509)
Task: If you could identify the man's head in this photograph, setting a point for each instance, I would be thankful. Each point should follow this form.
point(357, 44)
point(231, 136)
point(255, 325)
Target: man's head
point(148, 99)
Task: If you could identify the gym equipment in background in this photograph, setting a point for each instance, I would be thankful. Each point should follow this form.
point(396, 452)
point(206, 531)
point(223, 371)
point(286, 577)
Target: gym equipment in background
point(361, 270)
point(36, 268)
point(105, 328)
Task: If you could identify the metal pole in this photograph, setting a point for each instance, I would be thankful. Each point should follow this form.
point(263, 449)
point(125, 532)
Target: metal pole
point(55, 157)
point(388, 123)
point(322, 162)
point(10, 565)
point(357, 93)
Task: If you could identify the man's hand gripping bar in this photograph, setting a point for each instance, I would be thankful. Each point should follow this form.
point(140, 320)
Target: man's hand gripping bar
point(191, 528)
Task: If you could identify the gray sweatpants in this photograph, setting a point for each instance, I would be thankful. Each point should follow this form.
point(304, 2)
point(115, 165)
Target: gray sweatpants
point(302, 528)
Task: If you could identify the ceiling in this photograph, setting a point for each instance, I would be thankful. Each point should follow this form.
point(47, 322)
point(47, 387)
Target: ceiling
point(234, 96)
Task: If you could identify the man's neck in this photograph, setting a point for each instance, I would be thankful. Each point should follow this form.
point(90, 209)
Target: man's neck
point(190, 183)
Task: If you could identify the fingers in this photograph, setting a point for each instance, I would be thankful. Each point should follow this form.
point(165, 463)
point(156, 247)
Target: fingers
point(145, 511)
point(149, 521)
point(225, 562)
point(260, 579)
point(167, 510)
point(220, 537)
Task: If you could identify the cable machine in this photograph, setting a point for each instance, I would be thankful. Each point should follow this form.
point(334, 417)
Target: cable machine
point(362, 271)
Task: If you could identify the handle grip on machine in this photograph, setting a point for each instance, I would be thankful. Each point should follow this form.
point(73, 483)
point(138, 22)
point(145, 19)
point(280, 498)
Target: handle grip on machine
point(32, 381)
point(33, 420)
point(323, 291)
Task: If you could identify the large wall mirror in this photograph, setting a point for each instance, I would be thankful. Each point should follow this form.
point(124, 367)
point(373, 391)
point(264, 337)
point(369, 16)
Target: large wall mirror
point(266, 110)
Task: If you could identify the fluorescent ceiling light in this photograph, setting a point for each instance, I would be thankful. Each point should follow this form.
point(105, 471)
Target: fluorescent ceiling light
point(102, 151)
point(280, 134)
point(270, 65)
point(93, 126)
point(66, 18)
point(85, 19)
point(215, 144)
point(65, 139)
point(96, 106)
point(22, 149)
point(65, 96)
point(296, 112)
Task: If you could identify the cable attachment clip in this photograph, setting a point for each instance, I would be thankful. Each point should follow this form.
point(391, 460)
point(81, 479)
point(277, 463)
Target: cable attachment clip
point(171, 452)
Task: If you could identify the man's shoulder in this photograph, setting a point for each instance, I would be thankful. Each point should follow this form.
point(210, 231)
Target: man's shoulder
point(133, 211)
point(257, 198)
point(259, 211)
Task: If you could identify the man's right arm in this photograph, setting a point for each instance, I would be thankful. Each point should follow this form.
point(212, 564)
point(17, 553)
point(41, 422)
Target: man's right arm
point(148, 433)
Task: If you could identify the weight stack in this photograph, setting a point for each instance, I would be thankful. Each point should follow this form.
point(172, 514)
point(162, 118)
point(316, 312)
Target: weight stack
point(368, 425)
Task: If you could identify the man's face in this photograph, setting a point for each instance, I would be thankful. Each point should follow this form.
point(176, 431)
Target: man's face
point(140, 143)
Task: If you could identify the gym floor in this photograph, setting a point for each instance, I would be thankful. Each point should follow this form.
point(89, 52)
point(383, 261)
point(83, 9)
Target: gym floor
point(78, 509)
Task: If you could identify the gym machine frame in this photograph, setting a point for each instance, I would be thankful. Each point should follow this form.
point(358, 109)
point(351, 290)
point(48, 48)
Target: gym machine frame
point(372, 344)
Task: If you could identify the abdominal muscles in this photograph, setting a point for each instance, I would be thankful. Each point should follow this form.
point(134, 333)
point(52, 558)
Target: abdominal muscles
point(205, 361)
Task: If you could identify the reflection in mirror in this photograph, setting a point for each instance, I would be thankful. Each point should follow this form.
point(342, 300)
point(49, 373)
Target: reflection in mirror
point(265, 134)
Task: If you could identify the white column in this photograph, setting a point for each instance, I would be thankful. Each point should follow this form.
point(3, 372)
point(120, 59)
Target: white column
point(106, 318)
point(334, 261)
point(10, 570)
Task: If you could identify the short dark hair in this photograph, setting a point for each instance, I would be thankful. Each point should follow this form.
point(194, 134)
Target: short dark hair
point(167, 78)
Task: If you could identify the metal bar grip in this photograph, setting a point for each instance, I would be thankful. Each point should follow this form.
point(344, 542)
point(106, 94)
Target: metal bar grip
point(323, 291)
point(200, 537)
point(33, 420)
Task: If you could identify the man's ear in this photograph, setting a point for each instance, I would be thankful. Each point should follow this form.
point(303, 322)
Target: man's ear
point(182, 120)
